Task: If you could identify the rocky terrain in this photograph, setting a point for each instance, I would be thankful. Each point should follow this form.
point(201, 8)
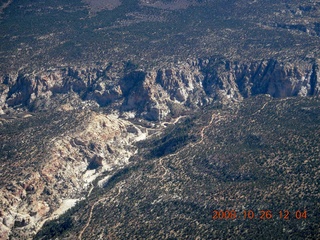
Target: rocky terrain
point(160, 92)
point(115, 116)
point(57, 156)
point(66, 128)
point(248, 157)
point(50, 34)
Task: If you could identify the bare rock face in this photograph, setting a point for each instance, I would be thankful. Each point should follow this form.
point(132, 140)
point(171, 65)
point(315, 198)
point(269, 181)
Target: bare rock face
point(81, 143)
point(89, 144)
point(77, 155)
point(152, 93)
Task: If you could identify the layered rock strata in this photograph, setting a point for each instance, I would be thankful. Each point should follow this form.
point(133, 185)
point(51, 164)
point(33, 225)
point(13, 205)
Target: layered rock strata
point(157, 93)
point(43, 176)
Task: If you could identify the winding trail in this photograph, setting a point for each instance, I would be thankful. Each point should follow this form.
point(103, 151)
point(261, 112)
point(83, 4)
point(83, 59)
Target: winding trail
point(165, 169)
point(193, 145)
point(161, 164)
point(204, 128)
point(264, 105)
point(119, 190)
point(91, 211)
point(89, 219)
point(174, 122)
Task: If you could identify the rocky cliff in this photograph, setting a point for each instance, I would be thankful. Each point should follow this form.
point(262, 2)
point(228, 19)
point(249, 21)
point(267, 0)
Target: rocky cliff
point(63, 142)
point(157, 93)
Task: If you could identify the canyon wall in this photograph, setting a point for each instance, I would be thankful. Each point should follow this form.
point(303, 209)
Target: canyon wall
point(81, 147)
point(160, 92)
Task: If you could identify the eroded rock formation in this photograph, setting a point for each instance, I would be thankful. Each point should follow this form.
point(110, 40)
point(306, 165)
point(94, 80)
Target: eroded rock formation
point(154, 94)
point(34, 186)
point(83, 143)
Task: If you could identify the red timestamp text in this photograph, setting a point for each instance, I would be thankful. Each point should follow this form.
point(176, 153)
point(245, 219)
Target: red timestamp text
point(260, 214)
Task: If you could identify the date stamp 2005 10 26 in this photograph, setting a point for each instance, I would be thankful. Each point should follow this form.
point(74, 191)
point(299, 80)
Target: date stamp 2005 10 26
point(261, 214)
